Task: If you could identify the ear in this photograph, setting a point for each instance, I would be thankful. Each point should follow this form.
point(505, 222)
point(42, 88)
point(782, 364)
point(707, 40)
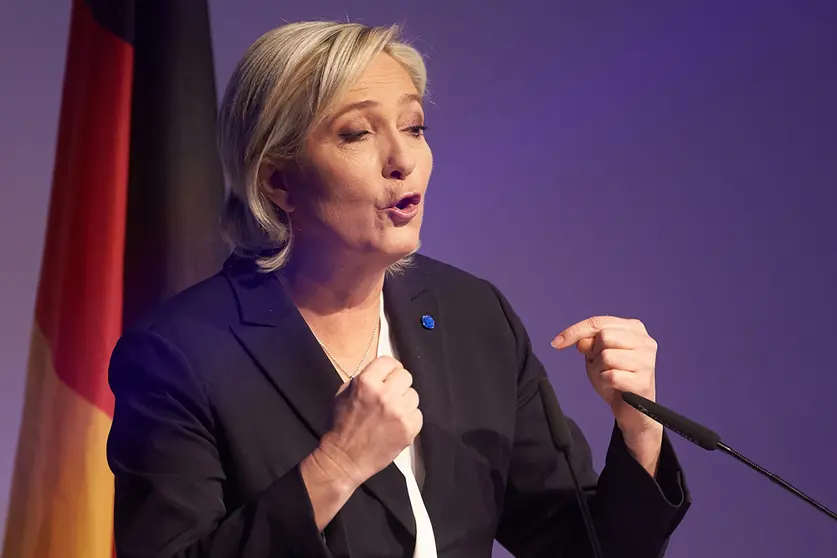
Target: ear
point(275, 186)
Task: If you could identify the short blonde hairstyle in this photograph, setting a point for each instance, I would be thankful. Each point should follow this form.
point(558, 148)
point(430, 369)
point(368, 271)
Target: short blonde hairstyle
point(285, 84)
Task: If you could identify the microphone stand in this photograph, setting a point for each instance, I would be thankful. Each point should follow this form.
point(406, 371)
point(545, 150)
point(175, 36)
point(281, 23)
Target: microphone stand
point(585, 510)
point(710, 441)
point(776, 479)
point(559, 430)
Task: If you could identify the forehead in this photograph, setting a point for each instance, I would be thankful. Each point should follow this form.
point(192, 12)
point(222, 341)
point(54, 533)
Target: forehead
point(383, 79)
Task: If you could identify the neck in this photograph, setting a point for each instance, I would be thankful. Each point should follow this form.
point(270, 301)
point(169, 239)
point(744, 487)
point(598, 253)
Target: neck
point(340, 300)
point(327, 286)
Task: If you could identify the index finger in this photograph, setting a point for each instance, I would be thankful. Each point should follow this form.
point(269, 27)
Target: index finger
point(379, 369)
point(585, 329)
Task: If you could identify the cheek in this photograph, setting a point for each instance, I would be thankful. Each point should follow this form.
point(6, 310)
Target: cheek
point(339, 180)
point(344, 198)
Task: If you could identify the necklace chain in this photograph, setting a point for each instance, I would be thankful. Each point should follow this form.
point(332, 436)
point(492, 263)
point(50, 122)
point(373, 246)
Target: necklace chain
point(340, 368)
point(362, 360)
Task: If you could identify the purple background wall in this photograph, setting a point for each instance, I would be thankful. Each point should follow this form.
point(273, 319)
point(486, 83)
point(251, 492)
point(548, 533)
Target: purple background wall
point(646, 158)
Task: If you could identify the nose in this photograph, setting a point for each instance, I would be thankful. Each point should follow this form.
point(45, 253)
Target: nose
point(399, 160)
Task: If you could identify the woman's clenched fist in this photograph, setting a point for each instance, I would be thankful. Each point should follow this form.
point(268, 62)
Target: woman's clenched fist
point(375, 417)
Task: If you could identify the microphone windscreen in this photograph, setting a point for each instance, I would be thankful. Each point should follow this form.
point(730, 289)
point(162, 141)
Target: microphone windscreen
point(689, 429)
point(558, 427)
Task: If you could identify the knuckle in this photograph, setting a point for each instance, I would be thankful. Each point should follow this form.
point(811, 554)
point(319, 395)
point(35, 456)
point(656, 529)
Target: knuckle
point(407, 375)
point(605, 337)
point(637, 324)
point(595, 322)
point(379, 391)
point(363, 381)
point(389, 411)
point(652, 344)
point(607, 357)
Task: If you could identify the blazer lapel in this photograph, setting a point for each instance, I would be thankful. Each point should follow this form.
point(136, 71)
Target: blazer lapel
point(280, 341)
point(420, 343)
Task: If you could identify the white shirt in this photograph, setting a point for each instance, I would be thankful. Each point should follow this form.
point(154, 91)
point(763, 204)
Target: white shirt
point(410, 464)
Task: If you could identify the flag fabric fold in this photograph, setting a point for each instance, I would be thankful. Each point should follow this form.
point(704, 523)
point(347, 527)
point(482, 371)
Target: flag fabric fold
point(136, 195)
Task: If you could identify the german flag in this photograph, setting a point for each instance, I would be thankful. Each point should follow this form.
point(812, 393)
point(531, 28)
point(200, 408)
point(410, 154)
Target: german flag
point(136, 194)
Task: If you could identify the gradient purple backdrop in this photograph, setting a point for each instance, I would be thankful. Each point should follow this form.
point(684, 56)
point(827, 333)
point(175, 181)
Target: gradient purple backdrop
point(650, 159)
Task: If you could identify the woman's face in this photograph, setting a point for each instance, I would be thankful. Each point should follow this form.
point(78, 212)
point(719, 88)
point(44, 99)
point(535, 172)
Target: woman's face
point(364, 172)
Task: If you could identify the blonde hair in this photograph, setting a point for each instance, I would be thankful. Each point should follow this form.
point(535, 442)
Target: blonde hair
point(283, 86)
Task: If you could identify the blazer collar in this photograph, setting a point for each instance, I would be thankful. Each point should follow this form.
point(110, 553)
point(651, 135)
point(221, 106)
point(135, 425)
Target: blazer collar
point(278, 338)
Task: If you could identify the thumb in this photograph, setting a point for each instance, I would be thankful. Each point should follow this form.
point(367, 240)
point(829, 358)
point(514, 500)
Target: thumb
point(585, 346)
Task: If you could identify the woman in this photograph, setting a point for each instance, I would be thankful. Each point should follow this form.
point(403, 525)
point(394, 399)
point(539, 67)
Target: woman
point(332, 393)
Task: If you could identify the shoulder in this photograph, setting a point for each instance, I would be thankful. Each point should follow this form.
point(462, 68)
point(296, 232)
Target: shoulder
point(179, 342)
point(193, 325)
point(444, 276)
point(210, 301)
point(464, 290)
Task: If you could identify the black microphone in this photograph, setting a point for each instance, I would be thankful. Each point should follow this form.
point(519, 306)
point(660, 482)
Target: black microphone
point(709, 440)
point(561, 437)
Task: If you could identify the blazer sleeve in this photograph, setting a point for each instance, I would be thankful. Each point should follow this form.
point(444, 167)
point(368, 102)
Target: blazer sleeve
point(633, 513)
point(163, 450)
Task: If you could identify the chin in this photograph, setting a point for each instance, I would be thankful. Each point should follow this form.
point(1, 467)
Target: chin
point(399, 246)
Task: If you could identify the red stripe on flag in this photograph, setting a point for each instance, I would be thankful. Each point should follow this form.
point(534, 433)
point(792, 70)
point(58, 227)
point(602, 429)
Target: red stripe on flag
point(79, 307)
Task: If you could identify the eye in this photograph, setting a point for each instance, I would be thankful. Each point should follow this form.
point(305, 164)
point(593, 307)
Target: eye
point(417, 130)
point(352, 135)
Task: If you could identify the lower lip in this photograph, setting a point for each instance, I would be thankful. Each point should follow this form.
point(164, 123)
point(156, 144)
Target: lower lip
point(403, 216)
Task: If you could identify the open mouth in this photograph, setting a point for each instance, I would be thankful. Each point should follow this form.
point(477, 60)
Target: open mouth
point(407, 201)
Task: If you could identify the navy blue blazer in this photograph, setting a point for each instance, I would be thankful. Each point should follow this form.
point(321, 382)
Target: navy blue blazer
point(223, 390)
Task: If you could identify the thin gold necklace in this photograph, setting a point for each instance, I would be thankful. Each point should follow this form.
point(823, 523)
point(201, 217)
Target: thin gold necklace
point(340, 368)
point(362, 360)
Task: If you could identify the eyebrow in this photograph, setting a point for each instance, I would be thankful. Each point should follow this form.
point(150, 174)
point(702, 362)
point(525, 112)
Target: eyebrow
point(368, 103)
